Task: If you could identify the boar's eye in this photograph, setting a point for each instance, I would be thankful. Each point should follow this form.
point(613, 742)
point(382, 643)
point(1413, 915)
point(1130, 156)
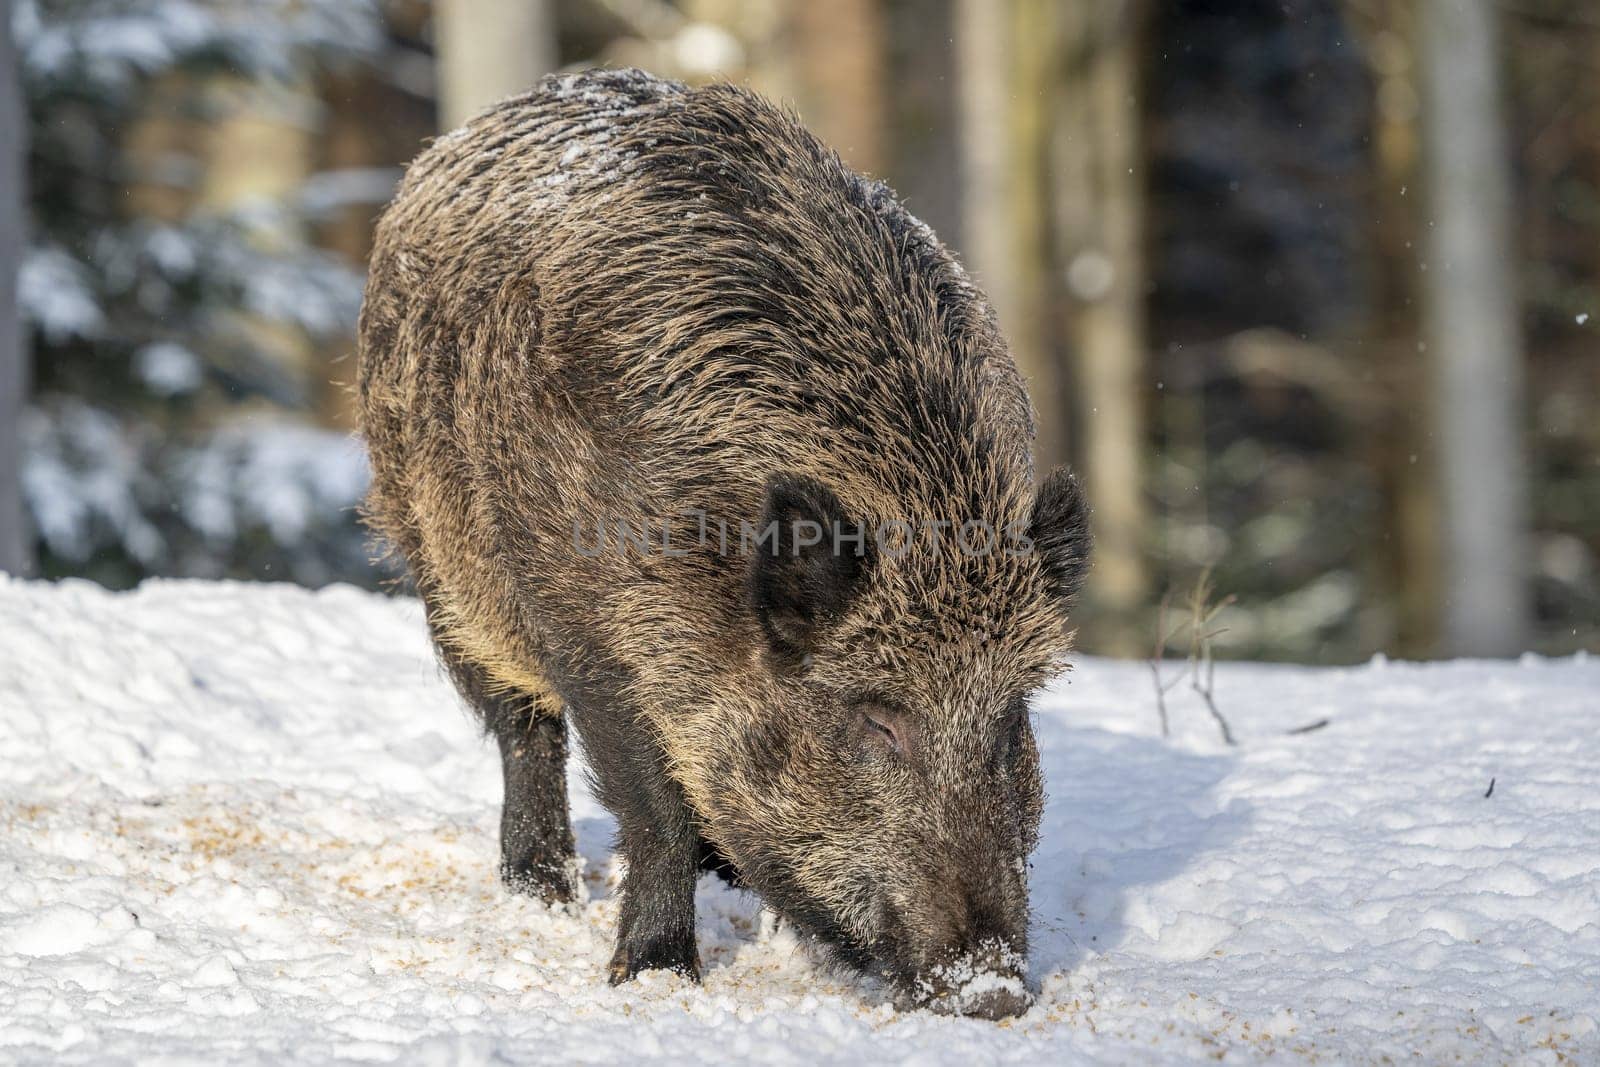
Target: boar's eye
point(1012, 729)
point(883, 729)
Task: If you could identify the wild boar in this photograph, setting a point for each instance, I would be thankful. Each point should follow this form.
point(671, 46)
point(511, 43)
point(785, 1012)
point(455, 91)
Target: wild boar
point(690, 433)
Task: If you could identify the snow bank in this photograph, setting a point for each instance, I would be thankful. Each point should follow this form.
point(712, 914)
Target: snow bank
point(252, 824)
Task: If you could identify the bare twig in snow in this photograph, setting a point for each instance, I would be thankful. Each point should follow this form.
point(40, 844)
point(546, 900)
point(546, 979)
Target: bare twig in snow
point(1310, 727)
point(1202, 666)
point(1164, 637)
point(1161, 694)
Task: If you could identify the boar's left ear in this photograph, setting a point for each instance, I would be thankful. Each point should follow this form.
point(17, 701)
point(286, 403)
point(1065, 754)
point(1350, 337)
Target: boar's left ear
point(803, 577)
point(1060, 532)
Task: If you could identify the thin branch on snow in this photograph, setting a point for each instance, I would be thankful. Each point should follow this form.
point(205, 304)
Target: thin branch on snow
point(1310, 727)
point(1164, 637)
point(1200, 667)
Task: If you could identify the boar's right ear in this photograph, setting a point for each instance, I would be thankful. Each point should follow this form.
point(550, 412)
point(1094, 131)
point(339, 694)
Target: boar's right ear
point(804, 576)
point(1060, 532)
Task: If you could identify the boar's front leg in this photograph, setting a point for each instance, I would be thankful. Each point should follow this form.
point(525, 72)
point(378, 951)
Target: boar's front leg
point(537, 854)
point(656, 835)
point(655, 927)
point(536, 847)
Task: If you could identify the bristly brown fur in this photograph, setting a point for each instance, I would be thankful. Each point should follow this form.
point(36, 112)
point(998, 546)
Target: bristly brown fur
point(617, 299)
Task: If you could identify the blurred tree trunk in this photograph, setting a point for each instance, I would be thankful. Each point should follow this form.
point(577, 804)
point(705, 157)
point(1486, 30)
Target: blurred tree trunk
point(354, 145)
point(159, 149)
point(257, 150)
point(489, 52)
point(350, 143)
point(365, 159)
point(1099, 206)
point(1003, 61)
point(840, 56)
point(225, 144)
point(1470, 295)
point(1032, 94)
point(1403, 566)
point(923, 131)
point(983, 62)
point(14, 553)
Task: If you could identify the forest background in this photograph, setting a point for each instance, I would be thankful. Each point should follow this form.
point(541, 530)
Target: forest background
point(1307, 290)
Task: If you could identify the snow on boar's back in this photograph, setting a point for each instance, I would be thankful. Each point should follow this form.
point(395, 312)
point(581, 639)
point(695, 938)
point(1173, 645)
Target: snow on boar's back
point(691, 433)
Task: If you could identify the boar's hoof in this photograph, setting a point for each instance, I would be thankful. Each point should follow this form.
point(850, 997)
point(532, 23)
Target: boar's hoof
point(655, 954)
point(553, 886)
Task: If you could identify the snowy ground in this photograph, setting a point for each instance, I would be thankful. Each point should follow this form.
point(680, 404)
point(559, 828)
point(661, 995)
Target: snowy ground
point(252, 824)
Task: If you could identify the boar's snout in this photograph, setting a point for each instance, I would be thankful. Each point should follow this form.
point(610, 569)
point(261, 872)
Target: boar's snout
point(987, 983)
point(992, 1004)
point(975, 963)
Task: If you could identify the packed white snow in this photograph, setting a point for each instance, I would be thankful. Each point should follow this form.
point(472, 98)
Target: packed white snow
point(253, 824)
